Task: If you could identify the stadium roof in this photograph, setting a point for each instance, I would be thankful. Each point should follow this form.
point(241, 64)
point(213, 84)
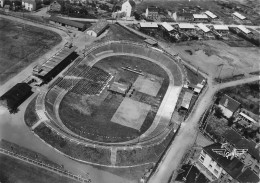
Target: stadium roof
point(186, 26)
point(229, 103)
point(203, 27)
point(210, 14)
point(167, 26)
point(238, 15)
point(220, 27)
point(201, 16)
point(47, 66)
point(99, 26)
point(67, 22)
point(244, 29)
point(186, 100)
point(148, 25)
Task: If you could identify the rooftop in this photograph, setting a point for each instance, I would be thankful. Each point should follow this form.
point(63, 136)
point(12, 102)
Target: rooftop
point(243, 29)
point(186, 100)
point(119, 87)
point(229, 103)
point(186, 26)
point(167, 26)
point(203, 27)
point(67, 22)
point(240, 142)
point(220, 27)
point(210, 14)
point(99, 26)
point(201, 16)
point(239, 15)
point(233, 167)
point(149, 24)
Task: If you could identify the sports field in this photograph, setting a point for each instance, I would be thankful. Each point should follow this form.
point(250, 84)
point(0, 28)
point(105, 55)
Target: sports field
point(20, 45)
point(112, 117)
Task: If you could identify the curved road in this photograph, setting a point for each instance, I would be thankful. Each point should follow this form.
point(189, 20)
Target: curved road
point(187, 133)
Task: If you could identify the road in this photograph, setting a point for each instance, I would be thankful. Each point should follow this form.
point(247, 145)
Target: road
point(187, 133)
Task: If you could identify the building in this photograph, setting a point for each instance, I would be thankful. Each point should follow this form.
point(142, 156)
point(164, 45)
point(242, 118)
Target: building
point(167, 27)
point(228, 105)
point(186, 100)
point(67, 23)
point(119, 88)
point(248, 119)
point(31, 5)
point(238, 16)
point(53, 66)
point(183, 16)
point(204, 28)
point(98, 28)
point(211, 15)
point(186, 26)
point(148, 26)
point(16, 96)
point(226, 170)
point(128, 7)
point(152, 13)
point(55, 6)
point(244, 30)
point(251, 158)
point(200, 18)
point(221, 28)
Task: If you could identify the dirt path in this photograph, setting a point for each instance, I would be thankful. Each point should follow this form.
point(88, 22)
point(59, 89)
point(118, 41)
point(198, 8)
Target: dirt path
point(28, 70)
point(187, 134)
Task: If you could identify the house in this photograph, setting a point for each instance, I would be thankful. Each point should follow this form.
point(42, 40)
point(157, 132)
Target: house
point(31, 5)
point(225, 170)
point(152, 13)
point(251, 158)
point(167, 27)
point(200, 18)
point(243, 29)
point(221, 28)
point(204, 28)
point(128, 7)
point(211, 15)
point(98, 28)
point(55, 6)
point(238, 16)
point(186, 26)
point(228, 105)
point(67, 23)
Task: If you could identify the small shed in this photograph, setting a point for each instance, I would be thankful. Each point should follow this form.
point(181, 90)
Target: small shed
point(120, 88)
point(186, 100)
point(98, 28)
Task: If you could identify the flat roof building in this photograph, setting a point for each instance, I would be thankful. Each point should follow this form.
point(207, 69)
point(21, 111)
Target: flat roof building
point(67, 23)
point(244, 29)
point(186, 26)
point(121, 88)
point(186, 100)
point(210, 14)
point(167, 26)
point(221, 27)
point(203, 27)
point(150, 25)
point(238, 15)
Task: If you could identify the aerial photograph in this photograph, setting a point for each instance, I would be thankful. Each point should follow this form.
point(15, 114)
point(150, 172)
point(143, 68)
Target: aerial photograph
point(129, 91)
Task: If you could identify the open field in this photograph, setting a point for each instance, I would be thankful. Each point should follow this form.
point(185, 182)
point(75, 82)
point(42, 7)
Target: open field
point(208, 56)
point(17, 171)
point(20, 45)
point(91, 116)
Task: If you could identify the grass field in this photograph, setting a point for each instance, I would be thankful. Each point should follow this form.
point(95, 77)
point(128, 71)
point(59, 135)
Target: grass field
point(30, 116)
point(16, 171)
point(98, 126)
point(20, 45)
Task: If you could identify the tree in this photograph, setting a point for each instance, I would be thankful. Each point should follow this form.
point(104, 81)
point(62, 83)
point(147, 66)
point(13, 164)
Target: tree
point(231, 121)
point(218, 112)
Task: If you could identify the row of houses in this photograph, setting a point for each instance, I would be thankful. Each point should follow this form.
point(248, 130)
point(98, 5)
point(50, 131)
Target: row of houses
point(187, 26)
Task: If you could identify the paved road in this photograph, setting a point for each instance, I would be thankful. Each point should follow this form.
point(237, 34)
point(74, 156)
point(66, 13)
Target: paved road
point(187, 134)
